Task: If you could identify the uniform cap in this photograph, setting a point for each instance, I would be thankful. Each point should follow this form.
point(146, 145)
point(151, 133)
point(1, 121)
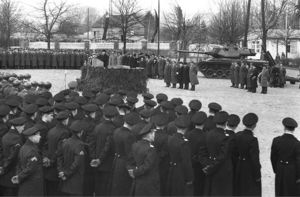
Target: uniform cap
point(167, 105)
point(147, 129)
point(215, 107)
point(132, 94)
point(62, 115)
point(181, 109)
point(110, 111)
point(108, 91)
point(4, 110)
point(147, 96)
point(177, 101)
point(18, 121)
point(80, 100)
point(47, 85)
point(221, 117)
point(27, 85)
point(34, 83)
point(116, 101)
point(73, 84)
point(31, 131)
point(30, 98)
point(150, 103)
point(250, 119)
point(88, 94)
point(72, 105)
point(78, 125)
point(195, 105)
point(12, 102)
point(59, 97)
point(131, 118)
point(183, 121)
point(101, 99)
point(59, 106)
point(122, 92)
point(199, 118)
point(90, 107)
point(41, 102)
point(30, 109)
point(132, 100)
point(145, 113)
point(46, 109)
point(161, 97)
point(46, 95)
point(160, 119)
point(290, 123)
point(233, 120)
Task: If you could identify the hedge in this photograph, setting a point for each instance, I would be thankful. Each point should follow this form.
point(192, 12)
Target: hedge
point(118, 78)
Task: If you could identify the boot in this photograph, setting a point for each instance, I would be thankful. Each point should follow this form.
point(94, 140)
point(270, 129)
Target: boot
point(193, 88)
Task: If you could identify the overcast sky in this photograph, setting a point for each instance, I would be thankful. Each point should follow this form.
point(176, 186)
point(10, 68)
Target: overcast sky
point(190, 7)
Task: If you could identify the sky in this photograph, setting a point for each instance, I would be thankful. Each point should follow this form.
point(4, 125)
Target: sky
point(190, 7)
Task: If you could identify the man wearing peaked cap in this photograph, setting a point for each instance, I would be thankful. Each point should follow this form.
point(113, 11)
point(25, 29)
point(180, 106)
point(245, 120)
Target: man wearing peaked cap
point(194, 105)
point(131, 101)
point(30, 113)
point(180, 179)
point(213, 109)
point(123, 138)
point(285, 154)
point(75, 112)
point(146, 182)
point(176, 101)
point(73, 151)
point(88, 95)
point(147, 96)
point(101, 99)
point(232, 124)
point(248, 163)
point(103, 163)
point(29, 176)
point(180, 110)
point(161, 97)
point(12, 140)
point(54, 138)
point(72, 85)
point(90, 121)
point(219, 172)
point(196, 137)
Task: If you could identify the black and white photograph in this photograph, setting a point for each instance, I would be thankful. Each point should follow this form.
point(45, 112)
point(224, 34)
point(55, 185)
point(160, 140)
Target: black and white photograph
point(149, 98)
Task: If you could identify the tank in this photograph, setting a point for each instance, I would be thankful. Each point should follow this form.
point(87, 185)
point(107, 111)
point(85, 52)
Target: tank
point(220, 59)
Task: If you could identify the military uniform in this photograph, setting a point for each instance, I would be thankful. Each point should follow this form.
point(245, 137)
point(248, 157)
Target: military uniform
point(285, 158)
point(247, 173)
point(30, 170)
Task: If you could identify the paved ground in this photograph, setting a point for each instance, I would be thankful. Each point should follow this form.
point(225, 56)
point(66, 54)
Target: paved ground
point(271, 108)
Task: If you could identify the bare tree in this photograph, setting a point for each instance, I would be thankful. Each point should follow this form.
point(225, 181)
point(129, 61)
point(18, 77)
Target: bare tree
point(9, 19)
point(51, 13)
point(227, 26)
point(129, 16)
point(268, 16)
point(184, 30)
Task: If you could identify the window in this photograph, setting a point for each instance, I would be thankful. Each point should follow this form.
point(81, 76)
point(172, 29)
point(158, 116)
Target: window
point(293, 45)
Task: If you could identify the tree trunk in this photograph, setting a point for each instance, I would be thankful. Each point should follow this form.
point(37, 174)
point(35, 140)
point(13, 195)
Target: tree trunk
point(245, 43)
point(124, 42)
point(48, 37)
point(264, 30)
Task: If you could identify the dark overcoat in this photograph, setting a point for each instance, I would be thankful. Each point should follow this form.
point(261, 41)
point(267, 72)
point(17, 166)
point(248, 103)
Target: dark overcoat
point(147, 182)
point(237, 75)
point(247, 174)
point(122, 182)
point(167, 73)
point(30, 170)
point(181, 170)
point(193, 74)
point(71, 162)
point(11, 143)
point(285, 158)
point(186, 75)
point(253, 78)
point(220, 174)
point(174, 69)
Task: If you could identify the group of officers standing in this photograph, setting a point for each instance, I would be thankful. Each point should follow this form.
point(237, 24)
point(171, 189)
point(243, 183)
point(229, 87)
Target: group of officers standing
point(247, 77)
point(100, 143)
point(42, 59)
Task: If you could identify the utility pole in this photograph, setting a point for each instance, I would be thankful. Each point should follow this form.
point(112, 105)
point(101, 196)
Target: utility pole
point(88, 24)
point(158, 33)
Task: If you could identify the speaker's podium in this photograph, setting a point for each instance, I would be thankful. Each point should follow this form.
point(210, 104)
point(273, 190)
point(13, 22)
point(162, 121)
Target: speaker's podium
point(119, 77)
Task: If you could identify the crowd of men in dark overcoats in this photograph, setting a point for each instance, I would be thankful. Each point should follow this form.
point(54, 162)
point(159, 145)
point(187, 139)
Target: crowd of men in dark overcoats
point(100, 143)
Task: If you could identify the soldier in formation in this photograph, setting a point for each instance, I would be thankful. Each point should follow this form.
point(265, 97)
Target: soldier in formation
point(99, 143)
